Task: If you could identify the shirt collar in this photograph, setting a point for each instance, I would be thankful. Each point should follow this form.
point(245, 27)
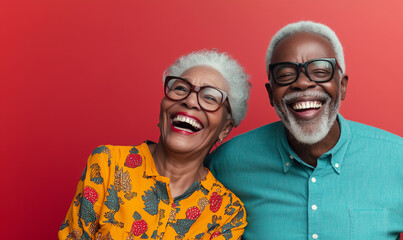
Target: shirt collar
point(335, 155)
point(150, 168)
point(208, 181)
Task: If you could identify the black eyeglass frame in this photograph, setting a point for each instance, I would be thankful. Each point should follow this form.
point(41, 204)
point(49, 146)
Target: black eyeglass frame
point(197, 89)
point(332, 61)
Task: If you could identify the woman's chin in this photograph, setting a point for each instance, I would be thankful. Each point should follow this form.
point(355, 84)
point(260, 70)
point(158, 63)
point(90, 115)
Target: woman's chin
point(185, 144)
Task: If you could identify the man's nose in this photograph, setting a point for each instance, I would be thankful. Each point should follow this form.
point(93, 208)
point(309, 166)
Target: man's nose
point(303, 82)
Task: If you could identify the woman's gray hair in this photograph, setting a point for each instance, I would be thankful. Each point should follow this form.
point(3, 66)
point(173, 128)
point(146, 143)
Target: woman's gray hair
point(229, 68)
point(312, 27)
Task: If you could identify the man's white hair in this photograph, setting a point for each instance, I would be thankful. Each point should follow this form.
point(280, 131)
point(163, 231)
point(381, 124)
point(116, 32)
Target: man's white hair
point(307, 26)
point(229, 68)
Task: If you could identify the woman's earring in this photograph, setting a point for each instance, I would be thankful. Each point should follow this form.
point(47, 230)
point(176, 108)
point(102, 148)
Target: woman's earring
point(220, 140)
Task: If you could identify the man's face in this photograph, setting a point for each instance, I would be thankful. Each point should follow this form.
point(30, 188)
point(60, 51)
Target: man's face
point(307, 109)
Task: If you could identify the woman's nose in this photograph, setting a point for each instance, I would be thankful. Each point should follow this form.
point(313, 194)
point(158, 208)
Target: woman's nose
point(191, 101)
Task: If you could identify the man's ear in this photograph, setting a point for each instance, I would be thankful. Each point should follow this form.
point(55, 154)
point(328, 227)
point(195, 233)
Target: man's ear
point(269, 91)
point(227, 129)
point(343, 86)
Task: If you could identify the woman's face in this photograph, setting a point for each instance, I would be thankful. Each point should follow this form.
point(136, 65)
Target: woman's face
point(187, 128)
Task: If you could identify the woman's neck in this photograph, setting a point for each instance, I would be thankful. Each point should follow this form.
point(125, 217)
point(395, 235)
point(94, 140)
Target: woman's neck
point(182, 169)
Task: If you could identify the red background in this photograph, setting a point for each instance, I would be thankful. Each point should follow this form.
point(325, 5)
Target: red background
point(78, 74)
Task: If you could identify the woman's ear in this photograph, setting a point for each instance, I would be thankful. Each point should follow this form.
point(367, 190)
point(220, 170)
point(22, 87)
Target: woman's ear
point(227, 129)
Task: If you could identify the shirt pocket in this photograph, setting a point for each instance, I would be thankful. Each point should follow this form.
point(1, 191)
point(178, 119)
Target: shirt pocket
point(369, 224)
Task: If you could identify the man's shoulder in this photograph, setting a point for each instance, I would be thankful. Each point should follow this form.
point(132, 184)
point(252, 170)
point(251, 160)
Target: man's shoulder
point(267, 131)
point(263, 136)
point(361, 131)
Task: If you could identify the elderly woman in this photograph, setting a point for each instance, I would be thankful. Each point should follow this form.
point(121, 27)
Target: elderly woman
point(161, 190)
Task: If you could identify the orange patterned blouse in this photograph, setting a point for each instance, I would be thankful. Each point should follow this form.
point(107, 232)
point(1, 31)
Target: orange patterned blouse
point(121, 196)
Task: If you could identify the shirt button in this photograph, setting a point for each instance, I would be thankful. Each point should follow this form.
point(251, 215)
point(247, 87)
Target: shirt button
point(291, 157)
point(315, 236)
point(314, 207)
point(287, 164)
point(336, 165)
point(313, 179)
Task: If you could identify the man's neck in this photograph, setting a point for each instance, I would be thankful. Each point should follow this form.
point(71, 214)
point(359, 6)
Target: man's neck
point(309, 153)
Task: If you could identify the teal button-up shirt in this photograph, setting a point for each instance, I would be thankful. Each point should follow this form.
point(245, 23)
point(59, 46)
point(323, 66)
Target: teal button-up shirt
point(355, 191)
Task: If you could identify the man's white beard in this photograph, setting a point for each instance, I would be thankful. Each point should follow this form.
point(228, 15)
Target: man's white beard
point(312, 131)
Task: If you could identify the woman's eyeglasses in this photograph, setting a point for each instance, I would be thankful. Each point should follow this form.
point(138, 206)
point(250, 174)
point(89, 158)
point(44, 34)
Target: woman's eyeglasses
point(208, 97)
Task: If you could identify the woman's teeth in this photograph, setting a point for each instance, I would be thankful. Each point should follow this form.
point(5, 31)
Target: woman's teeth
point(186, 123)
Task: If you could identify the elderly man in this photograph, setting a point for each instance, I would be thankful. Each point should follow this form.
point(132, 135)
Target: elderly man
point(314, 174)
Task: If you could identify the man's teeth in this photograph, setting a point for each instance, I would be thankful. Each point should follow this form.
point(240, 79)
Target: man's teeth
point(306, 105)
point(188, 120)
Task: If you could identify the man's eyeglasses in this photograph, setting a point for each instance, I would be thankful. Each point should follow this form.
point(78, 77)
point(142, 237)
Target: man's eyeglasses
point(208, 97)
point(317, 70)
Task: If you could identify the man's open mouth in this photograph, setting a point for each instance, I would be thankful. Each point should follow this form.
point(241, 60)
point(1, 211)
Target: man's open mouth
point(306, 105)
point(185, 123)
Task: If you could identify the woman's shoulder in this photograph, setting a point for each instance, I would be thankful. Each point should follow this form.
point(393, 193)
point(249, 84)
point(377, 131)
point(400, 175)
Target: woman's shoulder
point(218, 190)
point(226, 206)
point(119, 153)
point(109, 149)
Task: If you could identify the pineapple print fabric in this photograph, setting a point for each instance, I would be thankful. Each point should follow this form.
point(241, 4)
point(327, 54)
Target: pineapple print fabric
point(121, 196)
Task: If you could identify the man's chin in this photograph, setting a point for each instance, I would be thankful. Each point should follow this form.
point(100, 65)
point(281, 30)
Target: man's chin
point(308, 134)
point(308, 131)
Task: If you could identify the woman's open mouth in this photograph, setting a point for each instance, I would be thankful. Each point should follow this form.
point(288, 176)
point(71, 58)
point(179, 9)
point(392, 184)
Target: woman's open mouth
point(181, 122)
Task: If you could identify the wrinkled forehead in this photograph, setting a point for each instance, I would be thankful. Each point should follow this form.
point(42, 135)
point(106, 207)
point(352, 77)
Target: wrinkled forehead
point(302, 46)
